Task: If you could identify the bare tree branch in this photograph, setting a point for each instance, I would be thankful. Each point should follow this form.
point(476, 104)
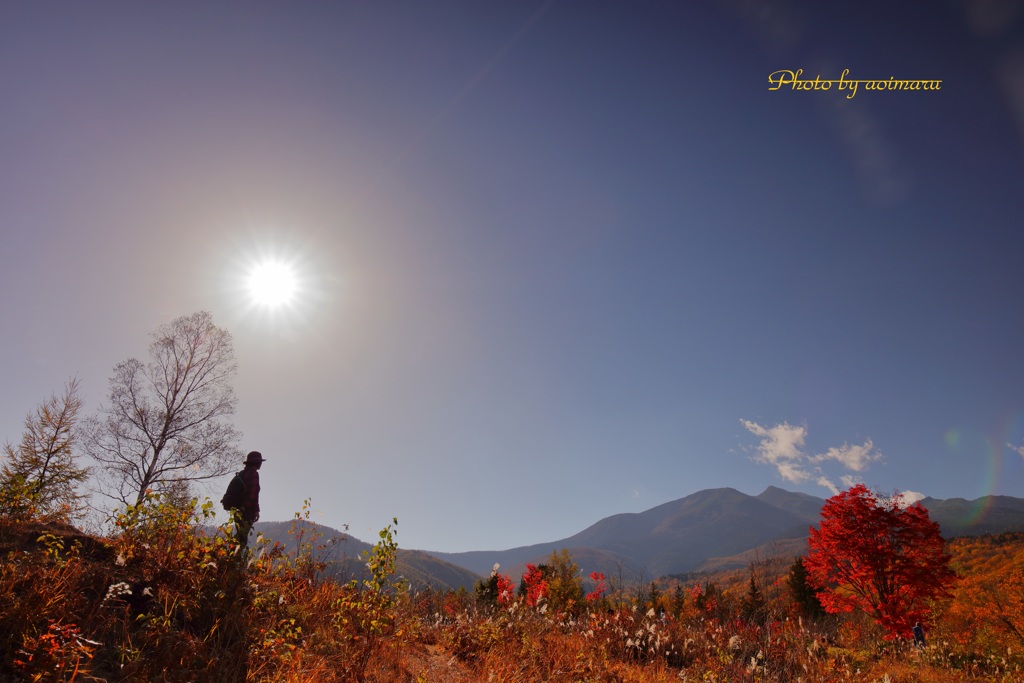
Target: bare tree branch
point(167, 420)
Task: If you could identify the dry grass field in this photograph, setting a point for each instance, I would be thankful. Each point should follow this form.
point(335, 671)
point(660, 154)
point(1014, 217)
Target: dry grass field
point(162, 600)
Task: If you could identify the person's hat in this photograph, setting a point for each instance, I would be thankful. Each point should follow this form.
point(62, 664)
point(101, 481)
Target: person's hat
point(254, 457)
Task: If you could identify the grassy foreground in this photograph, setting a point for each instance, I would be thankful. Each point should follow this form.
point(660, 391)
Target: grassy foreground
point(163, 600)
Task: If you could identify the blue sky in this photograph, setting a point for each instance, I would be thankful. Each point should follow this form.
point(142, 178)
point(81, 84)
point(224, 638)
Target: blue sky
point(557, 260)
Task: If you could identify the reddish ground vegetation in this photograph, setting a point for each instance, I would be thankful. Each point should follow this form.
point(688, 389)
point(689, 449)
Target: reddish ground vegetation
point(161, 600)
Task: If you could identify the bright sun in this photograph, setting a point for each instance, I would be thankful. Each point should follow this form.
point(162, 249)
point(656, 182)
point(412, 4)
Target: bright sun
point(272, 284)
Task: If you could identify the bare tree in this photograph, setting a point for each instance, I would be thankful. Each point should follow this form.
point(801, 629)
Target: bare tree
point(40, 477)
point(166, 424)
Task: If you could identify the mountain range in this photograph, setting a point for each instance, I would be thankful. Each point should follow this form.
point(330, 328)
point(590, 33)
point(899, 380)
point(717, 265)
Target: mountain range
point(343, 556)
point(709, 530)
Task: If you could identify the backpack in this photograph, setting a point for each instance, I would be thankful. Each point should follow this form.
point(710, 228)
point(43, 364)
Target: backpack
point(234, 497)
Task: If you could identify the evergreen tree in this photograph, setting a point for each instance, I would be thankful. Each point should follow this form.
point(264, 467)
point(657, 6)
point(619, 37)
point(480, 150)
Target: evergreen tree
point(753, 605)
point(653, 596)
point(804, 596)
point(40, 477)
point(487, 590)
point(678, 601)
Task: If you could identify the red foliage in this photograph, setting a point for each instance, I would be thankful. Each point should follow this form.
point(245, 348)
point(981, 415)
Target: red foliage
point(599, 587)
point(878, 556)
point(536, 585)
point(506, 590)
point(59, 650)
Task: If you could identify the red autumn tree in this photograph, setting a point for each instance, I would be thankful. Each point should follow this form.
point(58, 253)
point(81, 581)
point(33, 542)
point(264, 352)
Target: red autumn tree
point(506, 590)
point(878, 556)
point(534, 586)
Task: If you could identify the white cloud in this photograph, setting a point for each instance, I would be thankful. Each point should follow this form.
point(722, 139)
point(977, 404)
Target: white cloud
point(850, 481)
point(854, 458)
point(1019, 450)
point(911, 497)
point(782, 447)
point(827, 483)
point(901, 499)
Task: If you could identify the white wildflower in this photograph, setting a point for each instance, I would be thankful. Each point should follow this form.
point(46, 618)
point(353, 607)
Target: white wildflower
point(117, 590)
point(650, 613)
point(147, 591)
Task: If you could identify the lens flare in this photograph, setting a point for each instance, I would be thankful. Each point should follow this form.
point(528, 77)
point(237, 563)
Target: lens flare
point(989, 455)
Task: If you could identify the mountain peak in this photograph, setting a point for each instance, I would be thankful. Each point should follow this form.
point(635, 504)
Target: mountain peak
point(802, 504)
point(771, 491)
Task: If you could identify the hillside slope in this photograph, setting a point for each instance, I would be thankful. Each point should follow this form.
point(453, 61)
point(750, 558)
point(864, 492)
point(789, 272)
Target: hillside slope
point(720, 528)
point(343, 554)
point(672, 538)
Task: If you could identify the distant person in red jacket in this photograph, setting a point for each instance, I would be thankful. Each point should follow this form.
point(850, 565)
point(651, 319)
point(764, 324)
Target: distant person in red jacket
point(242, 499)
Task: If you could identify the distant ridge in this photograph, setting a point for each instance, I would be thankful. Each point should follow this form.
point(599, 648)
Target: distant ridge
point(986, 515)
point(343, 554)
point(709, 530)
point(718, 529)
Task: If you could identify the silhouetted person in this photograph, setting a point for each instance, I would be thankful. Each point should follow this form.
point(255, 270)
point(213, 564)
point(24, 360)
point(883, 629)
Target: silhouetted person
point(918, 635)
point(248, 512)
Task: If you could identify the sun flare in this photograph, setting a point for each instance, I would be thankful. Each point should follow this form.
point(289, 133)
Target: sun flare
point(272, 284)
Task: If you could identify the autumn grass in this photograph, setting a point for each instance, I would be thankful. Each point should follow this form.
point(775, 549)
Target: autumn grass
point(165, 601)
point(162, 599)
